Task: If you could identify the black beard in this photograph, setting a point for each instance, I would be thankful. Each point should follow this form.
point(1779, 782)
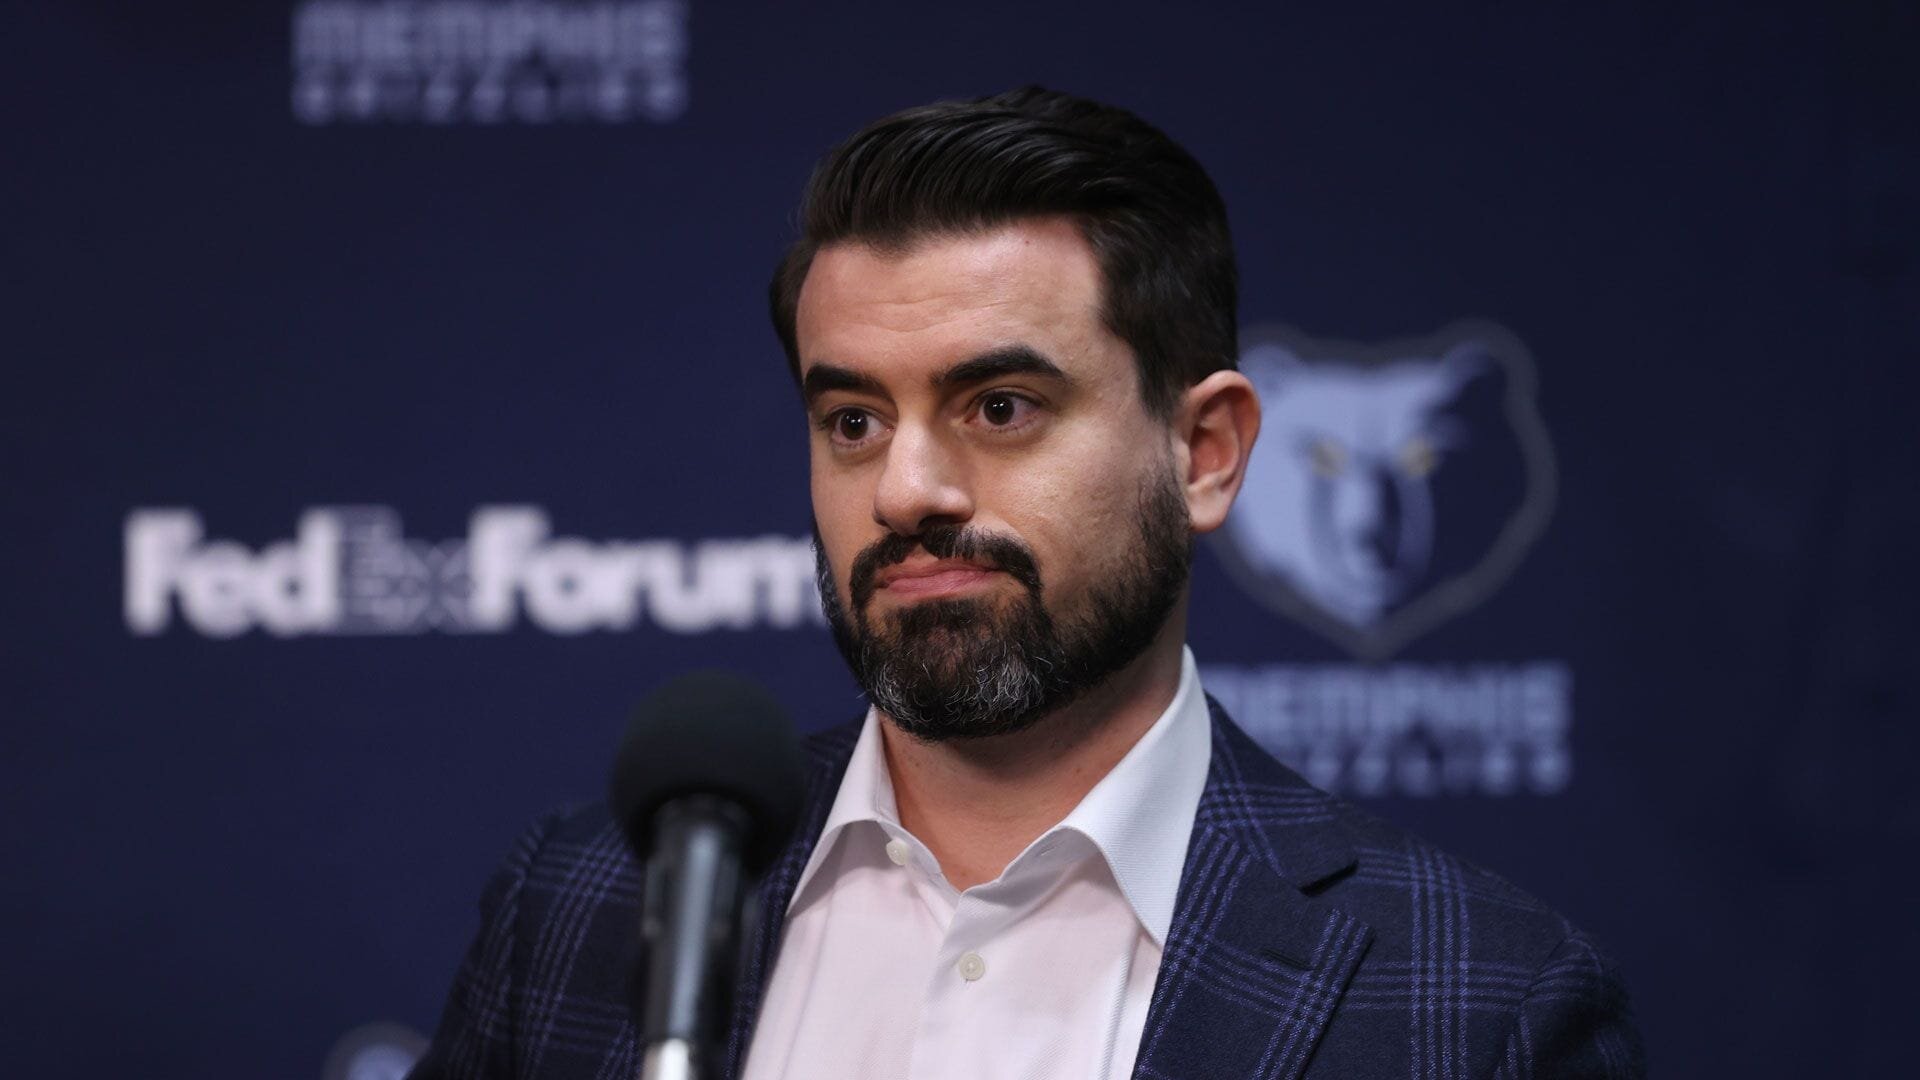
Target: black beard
point(971, 668)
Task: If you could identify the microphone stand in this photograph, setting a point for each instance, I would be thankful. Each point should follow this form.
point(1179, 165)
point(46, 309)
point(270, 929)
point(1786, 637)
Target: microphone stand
point(690, 927)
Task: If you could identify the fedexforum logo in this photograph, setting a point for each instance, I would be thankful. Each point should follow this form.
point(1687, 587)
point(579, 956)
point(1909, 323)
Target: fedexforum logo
point(351, 570)
point(489, 61)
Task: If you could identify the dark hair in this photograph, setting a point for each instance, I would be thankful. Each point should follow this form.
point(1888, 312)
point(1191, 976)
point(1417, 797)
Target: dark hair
point(1146, 207)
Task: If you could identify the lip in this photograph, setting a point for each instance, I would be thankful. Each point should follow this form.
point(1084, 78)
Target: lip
point(927, 579)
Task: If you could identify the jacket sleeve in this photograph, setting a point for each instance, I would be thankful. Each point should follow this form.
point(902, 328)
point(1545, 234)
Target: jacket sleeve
point(475, 1036)
point(1575, 1022)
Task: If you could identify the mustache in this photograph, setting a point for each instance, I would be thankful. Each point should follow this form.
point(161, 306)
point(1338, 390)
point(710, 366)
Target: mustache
point(995, 550)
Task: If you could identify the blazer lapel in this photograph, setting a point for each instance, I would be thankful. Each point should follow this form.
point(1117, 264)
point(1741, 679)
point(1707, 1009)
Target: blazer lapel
point(1253, 966)
point(767, 907)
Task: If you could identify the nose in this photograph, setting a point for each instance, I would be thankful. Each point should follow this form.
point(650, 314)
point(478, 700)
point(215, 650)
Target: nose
point(923, 483)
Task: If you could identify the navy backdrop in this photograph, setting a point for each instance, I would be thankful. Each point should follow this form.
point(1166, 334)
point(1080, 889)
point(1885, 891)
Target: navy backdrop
point(390, 402)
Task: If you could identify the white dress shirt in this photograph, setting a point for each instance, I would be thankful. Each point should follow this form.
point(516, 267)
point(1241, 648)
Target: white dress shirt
point(886, 972)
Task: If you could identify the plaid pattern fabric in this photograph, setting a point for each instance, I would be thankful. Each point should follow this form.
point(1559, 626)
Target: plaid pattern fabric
point(1310, 939)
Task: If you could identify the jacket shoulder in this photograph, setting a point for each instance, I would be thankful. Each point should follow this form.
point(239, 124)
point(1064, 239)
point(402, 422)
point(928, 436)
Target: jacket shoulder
point(1462, 969)
point(1455, 936)
point(1345, 856)
point(541, 991)
point(1397, 871)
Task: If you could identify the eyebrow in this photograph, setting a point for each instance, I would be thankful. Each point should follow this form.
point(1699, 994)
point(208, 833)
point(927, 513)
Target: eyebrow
point(1011, 360)
point(824, 378)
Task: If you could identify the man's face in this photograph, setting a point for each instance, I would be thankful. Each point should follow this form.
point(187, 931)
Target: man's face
point(999, 520)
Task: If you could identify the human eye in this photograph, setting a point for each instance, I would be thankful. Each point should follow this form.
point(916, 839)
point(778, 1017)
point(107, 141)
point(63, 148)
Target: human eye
point(850, 427)
point(1004, 411)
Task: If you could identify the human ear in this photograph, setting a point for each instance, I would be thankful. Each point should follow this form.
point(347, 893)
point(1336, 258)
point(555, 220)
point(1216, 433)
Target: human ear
point(1214, 426)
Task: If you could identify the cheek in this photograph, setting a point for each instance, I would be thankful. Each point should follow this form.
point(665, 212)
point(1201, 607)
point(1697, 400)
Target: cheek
point(1080, 512)
point(844, 521)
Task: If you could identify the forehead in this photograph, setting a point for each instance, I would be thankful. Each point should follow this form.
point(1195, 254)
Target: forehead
point(946, 298)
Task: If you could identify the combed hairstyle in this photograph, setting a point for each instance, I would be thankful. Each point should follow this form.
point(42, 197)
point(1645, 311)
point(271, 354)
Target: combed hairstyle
point(1153, 218)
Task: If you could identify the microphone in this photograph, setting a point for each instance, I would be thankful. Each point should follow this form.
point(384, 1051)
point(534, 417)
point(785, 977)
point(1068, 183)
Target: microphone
point(707, 788)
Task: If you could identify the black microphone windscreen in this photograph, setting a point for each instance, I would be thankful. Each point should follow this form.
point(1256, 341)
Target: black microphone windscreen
point(710, 733)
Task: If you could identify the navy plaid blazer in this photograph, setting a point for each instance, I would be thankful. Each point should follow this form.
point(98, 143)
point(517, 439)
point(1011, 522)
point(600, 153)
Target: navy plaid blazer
point(1309, 939)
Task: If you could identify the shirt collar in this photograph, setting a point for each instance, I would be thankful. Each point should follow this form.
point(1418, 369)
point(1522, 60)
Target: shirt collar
point(866, 794)
point(1139, 816)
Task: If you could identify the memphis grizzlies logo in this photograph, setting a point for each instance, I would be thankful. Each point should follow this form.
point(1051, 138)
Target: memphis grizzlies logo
point(1393, 486)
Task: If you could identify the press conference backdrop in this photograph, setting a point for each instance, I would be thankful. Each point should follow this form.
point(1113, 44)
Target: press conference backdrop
point(390, 402)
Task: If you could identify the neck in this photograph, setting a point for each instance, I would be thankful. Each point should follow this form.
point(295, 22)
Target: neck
point(977, 803)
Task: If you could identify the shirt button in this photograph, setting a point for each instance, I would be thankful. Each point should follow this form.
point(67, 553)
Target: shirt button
point(972, 967)
point(897, 851)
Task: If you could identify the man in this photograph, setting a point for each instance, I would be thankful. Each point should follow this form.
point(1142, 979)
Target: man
point(1043, 852)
